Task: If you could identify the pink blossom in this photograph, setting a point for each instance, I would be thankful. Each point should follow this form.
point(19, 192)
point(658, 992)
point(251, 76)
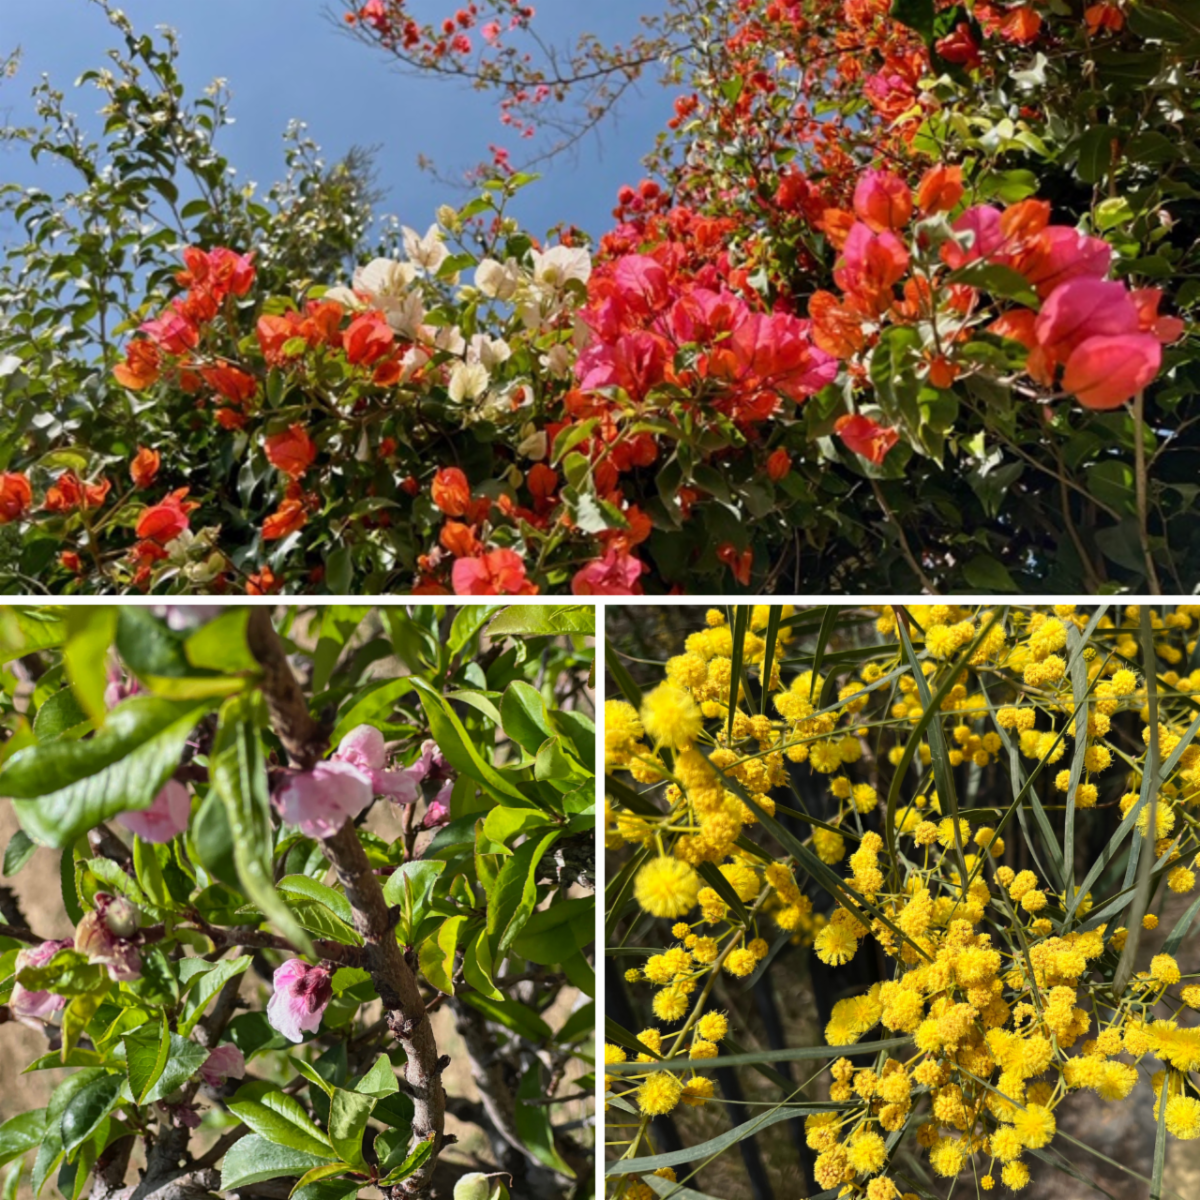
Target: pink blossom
point(438, 812)
point(702, 315)
point(165, 818)
point(363, 747)
point(320, 801)
point(883, 200)
point(616, 574)
point(1064, 253)
point(642, 284)
point(1104, 372)
point(1146, 301)
point(870, 262)
point(34, 1008)
point(225, 1061)
point(775, 349)
point(634, 362)
point(172, 332)
point(431, 765)
point(302, 993)
point(982, 221)
point(1083, 308)
point(120, 687)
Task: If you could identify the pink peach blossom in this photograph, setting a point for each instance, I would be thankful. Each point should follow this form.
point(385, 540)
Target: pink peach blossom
point(364, 747)
point(35, 1008)
point(320, 801)
point(165, 818)
point(225, 1062)
point(302, 993)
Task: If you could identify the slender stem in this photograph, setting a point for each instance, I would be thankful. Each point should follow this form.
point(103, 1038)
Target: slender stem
point(905, 548)
point(1139, 472)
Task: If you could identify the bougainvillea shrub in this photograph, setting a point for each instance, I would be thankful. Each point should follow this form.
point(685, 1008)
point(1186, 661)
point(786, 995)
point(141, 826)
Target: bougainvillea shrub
point(898, 300)
point(286, 882)
point(964, 836)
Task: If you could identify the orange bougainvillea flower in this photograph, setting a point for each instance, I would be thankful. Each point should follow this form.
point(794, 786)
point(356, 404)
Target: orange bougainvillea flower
point(163, 522)
point(287, 518)
point(835, 329)
point(779, 463)
point(1103, 16)
point(942, 372)
point(451, 491)
point(262, 584)
point(459, 540)
point(866, 437)
point(291, 451)
point(234, 384)
point(71, 561)
point(368, 338)
point(940, 189)
point(500, 573)
point(69, 492)
point(144, 468)
point(141, 367)
point(882, 200)
point(16, 496)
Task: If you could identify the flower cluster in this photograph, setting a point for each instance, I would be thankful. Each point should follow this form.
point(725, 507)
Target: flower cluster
point(1003, 986)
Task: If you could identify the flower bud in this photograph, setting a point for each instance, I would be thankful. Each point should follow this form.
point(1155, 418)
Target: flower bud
point(122, 917)
point(33, 1008)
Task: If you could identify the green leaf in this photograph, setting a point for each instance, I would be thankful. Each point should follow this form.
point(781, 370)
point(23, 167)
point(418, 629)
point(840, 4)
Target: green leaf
point(157, 655)
point(282, 1120)
point(436, 955)
point(380, 1080)
point(239, 774)
point(348, 1113)
point(533, 1122)
point(988, 575)
point(149, 873)
point(535, 620)
point(253, 1159)
point(206, 988)
point(88, 1107)
point(523, 712)
point(552, 935)
point(310, 889)
point(184, 1059)
point(512, 1014)
point(146, 1058)
point(61, 790)
point(21, 1133)
point(17, 853)
point(514, 897)
point(220, 645)
point(917, 15)
point(61, 716)
point(317, 1174)
point(90, 632)
point(338, 624)
point(413, 1163)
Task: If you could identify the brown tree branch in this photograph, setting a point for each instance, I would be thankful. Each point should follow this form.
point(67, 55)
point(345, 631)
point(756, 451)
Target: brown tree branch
point(305, 741)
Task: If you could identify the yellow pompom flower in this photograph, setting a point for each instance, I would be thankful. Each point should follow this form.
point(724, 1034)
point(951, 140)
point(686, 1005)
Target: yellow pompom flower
point(1164, 969)
point(659, 1094)
point(1015, 1175)
point(835, 945)
point(666, 887)
point(741, 961)
point(671, 716)
point(1035, 1126)
point(713, 1026)
point(1183, 1118)
point(867, 1153)
point(699, 1088)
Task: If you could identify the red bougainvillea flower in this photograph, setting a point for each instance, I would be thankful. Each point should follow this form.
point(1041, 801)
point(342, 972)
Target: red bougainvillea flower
point(779, 463)
point(451, 491)
point(460, 540)
point(368, 339)
point(302, 994)
point(959, 46)
point(287, 518)
point(1103, 16)
point(1146, 301)
point(69, 492)
point(165, 521)
point(982, 223)
point(141, 367)
point(143, 470)
point(1060, 253)
point(291, 451)
point(739, 562)
point(219, 272)
point(616, 574)
point(866, 437)
point(71, 561)
point(940, 189)
point(1104, 372)
point(318, 325)
point(882, 201)
point(231, 383)
point(871, 265)
point(500, 573)
point(16, 496)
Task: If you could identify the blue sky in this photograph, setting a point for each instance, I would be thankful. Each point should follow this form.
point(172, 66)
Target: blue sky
point(286, 60)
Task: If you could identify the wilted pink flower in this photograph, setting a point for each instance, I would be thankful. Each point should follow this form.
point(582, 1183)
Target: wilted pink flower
point(320, 801)
point(33, 1008)
point(105, 934)
point(364, 748)
point(438, 812)
point(302, 993)
point(165, 818)
point(120, 686)
point(225, 1061)
point(1104, 372)
point(616, 574)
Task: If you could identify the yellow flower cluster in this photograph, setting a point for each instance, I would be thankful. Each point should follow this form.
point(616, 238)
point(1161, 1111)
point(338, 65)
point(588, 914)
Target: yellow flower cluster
point(997, 976)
